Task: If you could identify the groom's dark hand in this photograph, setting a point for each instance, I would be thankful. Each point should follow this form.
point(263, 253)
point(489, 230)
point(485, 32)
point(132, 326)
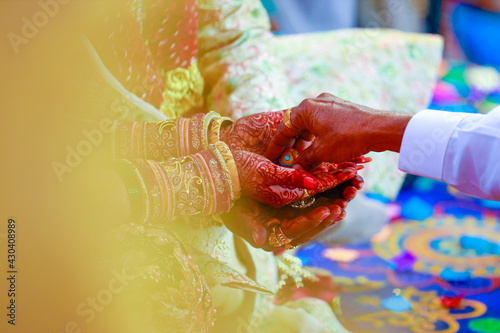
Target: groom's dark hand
point(343, 131)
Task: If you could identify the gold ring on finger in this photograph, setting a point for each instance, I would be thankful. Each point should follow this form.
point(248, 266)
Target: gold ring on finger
point(287, 121)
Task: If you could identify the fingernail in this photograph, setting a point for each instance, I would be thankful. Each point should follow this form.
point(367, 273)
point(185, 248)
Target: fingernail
point(336, 215)
point(309, 183)
point(256, 237)
point(324, 216)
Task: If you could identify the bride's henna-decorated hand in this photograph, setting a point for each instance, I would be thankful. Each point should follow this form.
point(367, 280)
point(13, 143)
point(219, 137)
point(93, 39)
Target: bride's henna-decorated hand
point(252, 133)
point(278, 186)
point(331, 175)
point(251, 220)
point(270, 183)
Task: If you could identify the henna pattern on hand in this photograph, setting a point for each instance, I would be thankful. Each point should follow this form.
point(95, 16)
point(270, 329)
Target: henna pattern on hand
point(267, 182)
point(252, 133)
point(330, 175)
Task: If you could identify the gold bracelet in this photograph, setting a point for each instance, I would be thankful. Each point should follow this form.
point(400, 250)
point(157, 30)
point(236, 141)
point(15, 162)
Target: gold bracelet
point(207, 119)
point(214, 133)
point(223, 165)
point(231, 166)
point(206, 192)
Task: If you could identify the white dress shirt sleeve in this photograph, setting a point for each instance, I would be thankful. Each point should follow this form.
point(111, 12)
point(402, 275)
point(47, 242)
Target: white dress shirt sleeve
point(460, 149)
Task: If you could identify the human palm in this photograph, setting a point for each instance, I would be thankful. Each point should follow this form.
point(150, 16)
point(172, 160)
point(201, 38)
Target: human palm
point(252, 220)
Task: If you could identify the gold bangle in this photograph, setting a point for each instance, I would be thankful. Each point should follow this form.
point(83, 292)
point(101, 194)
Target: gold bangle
point(207, 119)
point(287, 120)
point(214, 149)
point(231, 166)
point(214, 132)
point(205, 183)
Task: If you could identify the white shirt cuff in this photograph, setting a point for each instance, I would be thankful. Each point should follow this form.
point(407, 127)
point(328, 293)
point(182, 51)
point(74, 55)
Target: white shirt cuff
point(425, 141)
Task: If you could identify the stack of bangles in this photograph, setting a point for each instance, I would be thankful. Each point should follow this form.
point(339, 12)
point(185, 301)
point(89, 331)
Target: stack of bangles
point(162, 182)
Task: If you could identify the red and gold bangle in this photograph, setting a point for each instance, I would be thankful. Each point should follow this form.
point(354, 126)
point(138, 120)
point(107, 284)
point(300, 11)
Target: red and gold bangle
point(187, 185)
point(196, 128)
point(206, 194)
point(149, 140)
point(160, 140)
point(163, 192)
point(180, 128)
point(185, 136)
point(225, 172)
point(223, 199)
point(231, 167)
point(211, 184)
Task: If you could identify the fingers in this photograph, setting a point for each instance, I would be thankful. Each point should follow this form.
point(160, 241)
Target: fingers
point(300, 225)
point(258, 232)
point(304, 141)
point(349, 193)
point(345, 165)
point(358, 182)
point(283, 138)
point(244, 221)
point(342, 203)
point(336, 213)
point(247, 227)
point(331, 180)
point(362, 159)
point(289, 177)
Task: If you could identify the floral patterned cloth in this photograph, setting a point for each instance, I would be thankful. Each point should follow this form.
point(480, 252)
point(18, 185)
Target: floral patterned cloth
point(244, 70)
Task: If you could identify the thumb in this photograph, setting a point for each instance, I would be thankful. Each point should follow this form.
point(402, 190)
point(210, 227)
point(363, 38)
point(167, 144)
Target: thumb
point(282, 139)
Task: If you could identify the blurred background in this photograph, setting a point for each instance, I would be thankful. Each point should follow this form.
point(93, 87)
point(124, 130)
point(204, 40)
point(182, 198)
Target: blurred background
point(427, 261)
